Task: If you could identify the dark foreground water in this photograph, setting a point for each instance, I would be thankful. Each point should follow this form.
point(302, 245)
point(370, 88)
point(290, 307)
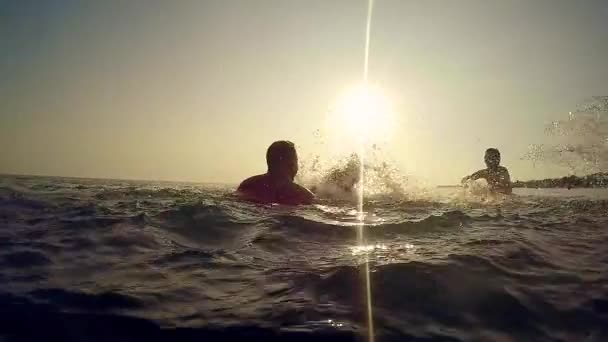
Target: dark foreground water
point(94, 260)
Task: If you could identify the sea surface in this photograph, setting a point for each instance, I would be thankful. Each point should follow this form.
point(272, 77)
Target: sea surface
point(106, 260)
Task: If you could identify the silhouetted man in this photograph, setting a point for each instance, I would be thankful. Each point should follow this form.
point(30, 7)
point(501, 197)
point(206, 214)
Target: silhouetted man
point(497, 176)
point(277, 185)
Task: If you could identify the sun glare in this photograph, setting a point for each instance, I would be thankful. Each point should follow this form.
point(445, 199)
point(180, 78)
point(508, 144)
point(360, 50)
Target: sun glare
point(362, 114)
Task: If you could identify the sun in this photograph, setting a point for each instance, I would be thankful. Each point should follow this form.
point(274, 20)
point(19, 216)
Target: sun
point(362, 114)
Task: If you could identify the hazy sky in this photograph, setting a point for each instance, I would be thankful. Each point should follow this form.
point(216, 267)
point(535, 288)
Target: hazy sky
point(196, 90)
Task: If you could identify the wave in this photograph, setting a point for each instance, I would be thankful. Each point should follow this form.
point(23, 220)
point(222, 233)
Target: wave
point(25, 320)
point(208, 224)
point(192, 264)
point(16, 199)
point(88, 301)
point(137, 193)
point(468, 296)
point(294, 224)
point(24, 259)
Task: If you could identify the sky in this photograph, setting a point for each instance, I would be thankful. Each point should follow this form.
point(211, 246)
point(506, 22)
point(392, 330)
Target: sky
point(197, 90)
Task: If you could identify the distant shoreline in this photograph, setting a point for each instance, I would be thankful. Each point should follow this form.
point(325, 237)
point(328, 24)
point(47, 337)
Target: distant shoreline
point(596, 180)
point(116, 179)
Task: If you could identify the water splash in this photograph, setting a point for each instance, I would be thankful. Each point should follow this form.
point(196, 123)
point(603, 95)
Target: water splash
point(580, 142)
point(333, 177)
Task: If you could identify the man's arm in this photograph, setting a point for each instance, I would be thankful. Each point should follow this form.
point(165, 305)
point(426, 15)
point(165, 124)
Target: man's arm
point(304, 195)
point(477, 175)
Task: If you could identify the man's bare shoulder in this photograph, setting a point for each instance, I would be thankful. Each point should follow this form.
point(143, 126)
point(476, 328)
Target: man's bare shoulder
point(255, 189)
point(304, 195)
point(260, 188)
point(252, 183)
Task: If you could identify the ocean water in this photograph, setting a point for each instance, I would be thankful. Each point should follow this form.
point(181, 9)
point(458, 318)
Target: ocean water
point(103, 260)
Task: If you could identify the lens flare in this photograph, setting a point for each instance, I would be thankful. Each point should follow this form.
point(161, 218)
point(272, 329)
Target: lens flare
point(372, 103)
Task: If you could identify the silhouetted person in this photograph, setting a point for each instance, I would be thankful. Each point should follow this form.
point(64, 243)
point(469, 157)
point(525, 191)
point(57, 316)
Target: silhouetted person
point(277, 185)
point(497, 176)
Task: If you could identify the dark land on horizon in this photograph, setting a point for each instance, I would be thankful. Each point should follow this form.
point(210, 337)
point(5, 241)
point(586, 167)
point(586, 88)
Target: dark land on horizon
point(595, 180)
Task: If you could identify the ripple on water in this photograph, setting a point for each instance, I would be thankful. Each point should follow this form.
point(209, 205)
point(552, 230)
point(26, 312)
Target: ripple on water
point(121, 260)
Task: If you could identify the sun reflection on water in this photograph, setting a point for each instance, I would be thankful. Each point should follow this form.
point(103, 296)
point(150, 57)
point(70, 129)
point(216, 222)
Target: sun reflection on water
point(364, 249)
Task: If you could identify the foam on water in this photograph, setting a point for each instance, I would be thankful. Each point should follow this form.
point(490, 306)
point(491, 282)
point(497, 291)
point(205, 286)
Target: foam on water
point(164, 261)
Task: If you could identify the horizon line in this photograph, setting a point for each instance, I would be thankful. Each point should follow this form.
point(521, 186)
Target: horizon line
point(10, 174)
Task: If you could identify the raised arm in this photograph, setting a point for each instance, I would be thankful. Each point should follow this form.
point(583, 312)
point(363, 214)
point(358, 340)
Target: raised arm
point(477, 175)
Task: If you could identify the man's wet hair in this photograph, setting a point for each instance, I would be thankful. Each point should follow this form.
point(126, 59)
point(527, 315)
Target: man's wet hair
point(493, 153)
point(279, 152)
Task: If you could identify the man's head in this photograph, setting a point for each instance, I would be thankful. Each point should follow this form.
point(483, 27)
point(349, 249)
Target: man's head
point(282, 159)
point(492, 158)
